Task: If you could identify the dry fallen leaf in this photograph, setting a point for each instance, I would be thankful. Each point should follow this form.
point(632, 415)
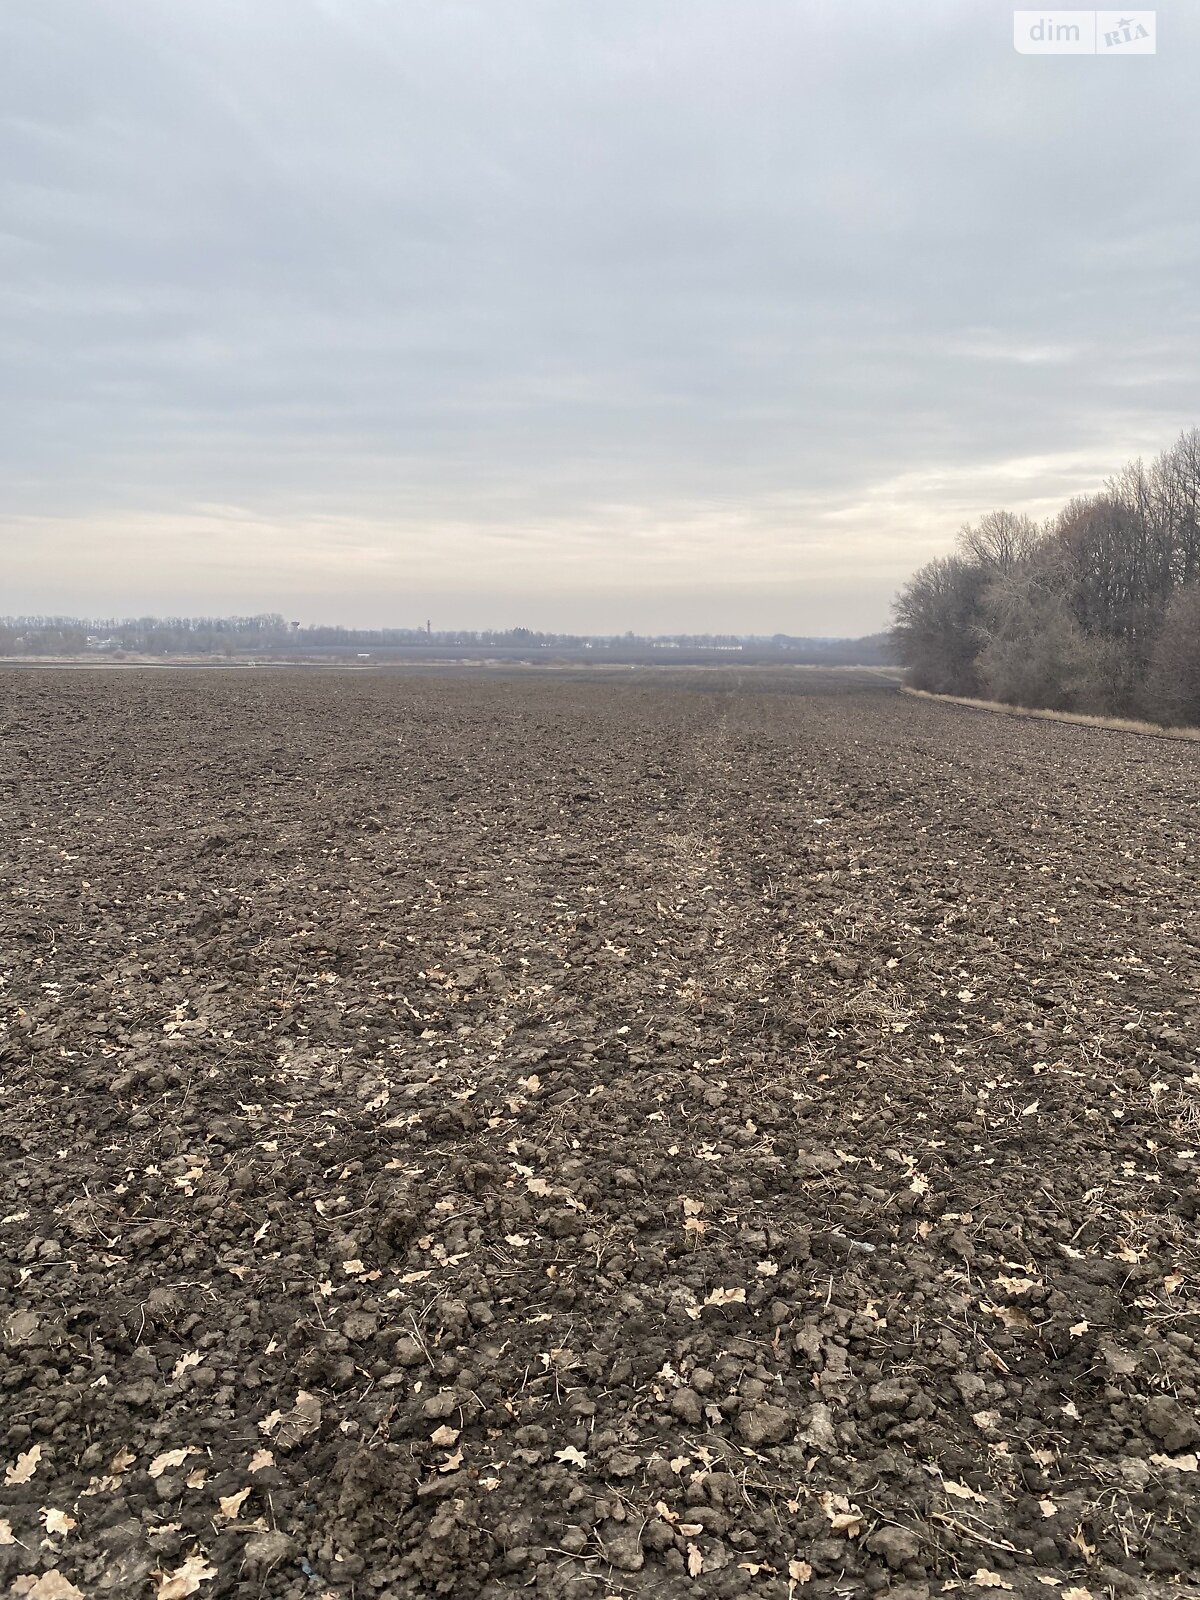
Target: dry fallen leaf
point(1080, 1540)
point(50, 1586)
point(1015, 1286)
point(231, 1504)
point(6, 1533)
point(843, 1516)
point(1188, 1463)
point(445, 1434)
point(726, 1297)
point(57, 1522)
point(192, 1359)
point(185, 1580)
point(961, 1492)
point(1010, 1316)
point(799, 1572)
point(695, 1561)
point(260, 1460)
point(24, 1467)
point(1077, 1592)
point(571, 1456)
point(169, 1458)
point(1048, 1508)
point(989, 1580)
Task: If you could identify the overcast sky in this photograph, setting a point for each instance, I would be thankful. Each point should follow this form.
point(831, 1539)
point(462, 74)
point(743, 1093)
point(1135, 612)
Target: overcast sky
point(662, 314)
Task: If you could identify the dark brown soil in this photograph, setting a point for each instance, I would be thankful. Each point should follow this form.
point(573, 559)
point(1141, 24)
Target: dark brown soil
point(680, 1135)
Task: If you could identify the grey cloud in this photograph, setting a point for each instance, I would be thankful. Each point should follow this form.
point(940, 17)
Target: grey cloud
point(718, 314)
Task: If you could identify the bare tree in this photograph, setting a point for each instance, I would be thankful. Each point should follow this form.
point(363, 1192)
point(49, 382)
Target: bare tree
point(1172, 693)
point(936, 631)
point(999, 541)
point(1034, 652)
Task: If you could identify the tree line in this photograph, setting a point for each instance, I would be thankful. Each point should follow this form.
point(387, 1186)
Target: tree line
point(53, 635)
point(270, 635)
point(1097, 609)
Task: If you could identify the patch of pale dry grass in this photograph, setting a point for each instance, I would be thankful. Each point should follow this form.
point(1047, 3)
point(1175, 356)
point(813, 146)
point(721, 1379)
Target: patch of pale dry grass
point(1115, 724)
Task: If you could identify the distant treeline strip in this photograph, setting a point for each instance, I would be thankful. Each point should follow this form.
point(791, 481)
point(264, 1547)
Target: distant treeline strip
point(1095, 611)
point(271, 635)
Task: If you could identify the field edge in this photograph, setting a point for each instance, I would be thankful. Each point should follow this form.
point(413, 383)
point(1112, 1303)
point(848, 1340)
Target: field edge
point(1078, 718)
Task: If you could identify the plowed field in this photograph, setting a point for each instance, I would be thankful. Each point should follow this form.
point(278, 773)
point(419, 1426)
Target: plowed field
point(668, 1135)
